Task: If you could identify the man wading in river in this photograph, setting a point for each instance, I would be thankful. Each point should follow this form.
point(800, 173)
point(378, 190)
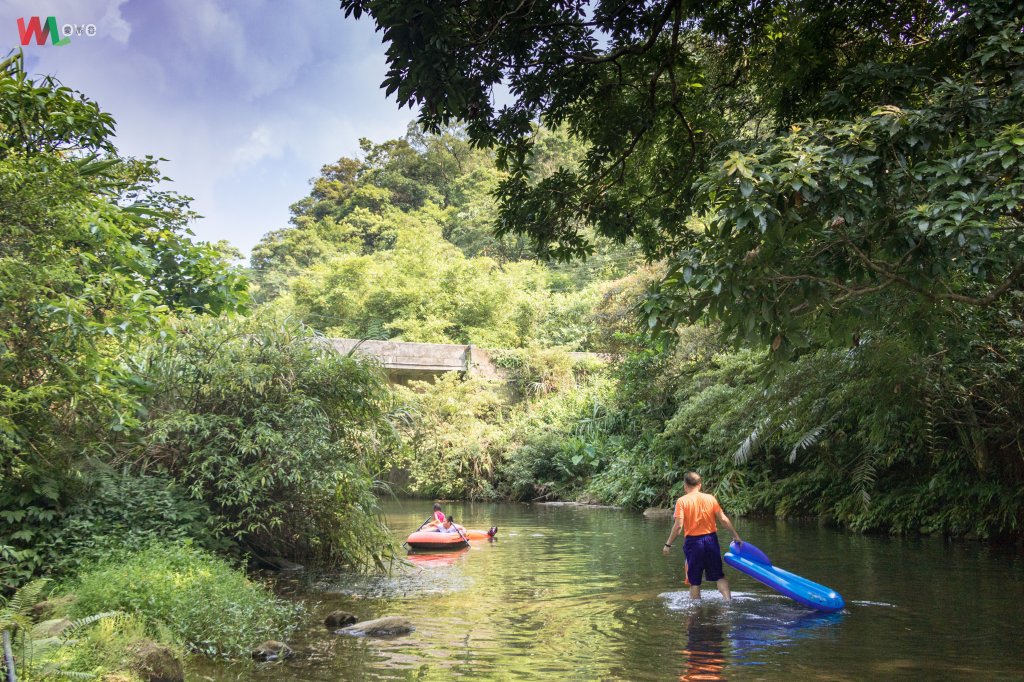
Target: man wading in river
point(695, 516)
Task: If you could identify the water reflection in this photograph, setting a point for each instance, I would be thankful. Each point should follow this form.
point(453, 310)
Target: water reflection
point(438, 559)
point(705, 655)
point(748, 631)
point(752, 634)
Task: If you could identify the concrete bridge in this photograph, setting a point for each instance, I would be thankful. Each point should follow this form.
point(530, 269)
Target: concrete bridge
point(405, 360)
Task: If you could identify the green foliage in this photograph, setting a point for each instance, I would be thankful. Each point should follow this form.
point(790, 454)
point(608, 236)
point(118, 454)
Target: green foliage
point(205, 603)
point(450, 429)
point(277, 434)
point(117, 512)
point(400, 245)
point(554, 443)
point(82, 651)
point(16, 612)
point(833, 227)
point(810, 170)
point(98, 646)
point(536, 435)
point(108, 513)
point(67, 311)
point(875, 438)
point(838, 182)
point(533, 372)
point(401, 293)
point(649, 90)
point(92, 260)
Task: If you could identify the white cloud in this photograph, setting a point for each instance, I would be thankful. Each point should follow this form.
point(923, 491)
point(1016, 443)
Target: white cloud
point(260, 145)
point(112, 23)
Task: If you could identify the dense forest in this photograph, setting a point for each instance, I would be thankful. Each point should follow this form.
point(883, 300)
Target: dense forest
point(800, 277)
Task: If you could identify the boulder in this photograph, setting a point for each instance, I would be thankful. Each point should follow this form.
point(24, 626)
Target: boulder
point(339, 619)
point(156, 663)
point(52, 607)
point(271, 650)
point(658, 513)
point(389, 626)
point(50, 628)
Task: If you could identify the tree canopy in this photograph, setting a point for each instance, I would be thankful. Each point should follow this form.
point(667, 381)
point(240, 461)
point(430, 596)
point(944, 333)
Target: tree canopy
point(799, 164)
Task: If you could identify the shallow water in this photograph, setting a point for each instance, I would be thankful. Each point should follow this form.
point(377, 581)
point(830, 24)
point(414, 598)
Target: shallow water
point(570, 593)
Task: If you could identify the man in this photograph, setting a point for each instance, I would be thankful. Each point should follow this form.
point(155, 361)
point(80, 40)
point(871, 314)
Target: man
point(695, 517)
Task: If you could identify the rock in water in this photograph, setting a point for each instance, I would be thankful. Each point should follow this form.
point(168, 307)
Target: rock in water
point(271, 650)
point(389, 626)
point(156, 663)
point(658, 513)
point(339, 619)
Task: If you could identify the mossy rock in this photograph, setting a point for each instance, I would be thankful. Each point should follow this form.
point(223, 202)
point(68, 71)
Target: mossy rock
point(340, 619)
point(50, 628)
point(54, 607)
point(389, 626)
point(272, 650)
point(156, 663)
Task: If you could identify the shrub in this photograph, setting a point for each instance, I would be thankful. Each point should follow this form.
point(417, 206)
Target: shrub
point(121, 512)
point(276, 432)
point(103, 648)
point(204, 602)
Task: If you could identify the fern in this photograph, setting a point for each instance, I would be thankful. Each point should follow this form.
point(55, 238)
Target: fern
point(748, 447)
point(82, 623)
point(863, 476)
point(15, 613)
point(809, 439)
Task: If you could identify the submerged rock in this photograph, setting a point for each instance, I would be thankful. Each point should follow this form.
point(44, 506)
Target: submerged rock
point(389, 626)
point(339, 619)
point(156, 663)
point(272, 650)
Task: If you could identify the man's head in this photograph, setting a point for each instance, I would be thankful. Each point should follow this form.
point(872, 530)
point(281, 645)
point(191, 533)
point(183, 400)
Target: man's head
point(437, 507)
point(691, 481)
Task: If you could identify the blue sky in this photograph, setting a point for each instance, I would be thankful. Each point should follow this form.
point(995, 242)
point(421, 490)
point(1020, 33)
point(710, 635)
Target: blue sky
point(246, 98)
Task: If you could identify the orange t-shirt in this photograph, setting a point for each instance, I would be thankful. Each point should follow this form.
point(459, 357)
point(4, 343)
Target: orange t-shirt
point(697, 510)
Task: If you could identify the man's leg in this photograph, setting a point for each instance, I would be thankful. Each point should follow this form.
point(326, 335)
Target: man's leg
point(694, 591)
point(723, 587)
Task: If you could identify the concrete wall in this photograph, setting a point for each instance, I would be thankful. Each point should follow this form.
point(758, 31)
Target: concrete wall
point(405, 360)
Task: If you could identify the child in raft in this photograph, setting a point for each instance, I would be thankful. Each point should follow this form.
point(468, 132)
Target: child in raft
point(442, 523)
point(437, 518)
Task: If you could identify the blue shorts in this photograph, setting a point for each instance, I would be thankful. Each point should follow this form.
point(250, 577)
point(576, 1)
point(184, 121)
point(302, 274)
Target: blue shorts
point(703, 557)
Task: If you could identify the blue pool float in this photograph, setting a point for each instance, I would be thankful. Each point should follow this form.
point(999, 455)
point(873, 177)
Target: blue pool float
point(752, 561)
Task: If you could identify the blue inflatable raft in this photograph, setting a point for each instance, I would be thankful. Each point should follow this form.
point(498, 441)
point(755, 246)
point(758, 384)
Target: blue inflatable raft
point(752, 561)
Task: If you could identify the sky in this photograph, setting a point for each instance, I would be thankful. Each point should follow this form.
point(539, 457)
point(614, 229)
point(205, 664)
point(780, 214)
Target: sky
point(247, 99)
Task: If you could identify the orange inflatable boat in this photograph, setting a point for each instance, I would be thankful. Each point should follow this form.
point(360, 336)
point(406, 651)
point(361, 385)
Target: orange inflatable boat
point(434, 540)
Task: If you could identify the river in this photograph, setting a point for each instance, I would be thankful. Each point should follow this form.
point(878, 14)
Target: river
point(577, 593)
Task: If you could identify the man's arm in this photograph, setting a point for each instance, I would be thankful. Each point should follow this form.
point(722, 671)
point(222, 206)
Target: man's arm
point(677, 528)
point(728, 524)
